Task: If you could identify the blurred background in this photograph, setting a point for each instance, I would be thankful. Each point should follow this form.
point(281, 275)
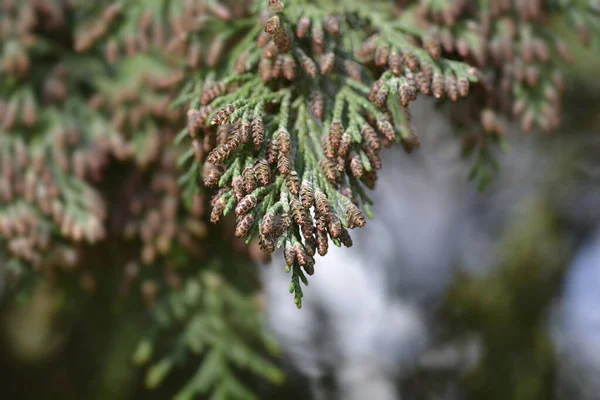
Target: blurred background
point(456, 294)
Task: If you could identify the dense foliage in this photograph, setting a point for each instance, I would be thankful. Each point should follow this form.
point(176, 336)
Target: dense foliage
point(287, 108)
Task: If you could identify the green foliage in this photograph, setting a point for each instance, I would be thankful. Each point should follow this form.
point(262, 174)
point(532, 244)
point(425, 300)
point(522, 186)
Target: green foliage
point(88, 161)
point(289, 122)
point(216, 321)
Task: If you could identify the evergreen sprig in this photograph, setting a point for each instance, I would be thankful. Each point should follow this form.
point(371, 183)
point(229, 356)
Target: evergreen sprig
point(288, 124)
point(215, 321)
point(88, 162)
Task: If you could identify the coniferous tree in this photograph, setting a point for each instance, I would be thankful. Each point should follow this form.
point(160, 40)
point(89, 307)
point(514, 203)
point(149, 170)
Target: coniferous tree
point(129, 126)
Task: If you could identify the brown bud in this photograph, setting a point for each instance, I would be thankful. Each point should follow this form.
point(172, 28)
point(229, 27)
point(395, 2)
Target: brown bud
point(263, 171)
point(407, 94)
point(283, 141)
point(272, 151)
point(322, 243)
point(218, 154)
point(263, 39)
point(244, 131)
point(283, 40)
point(249, 178)
point(194, 122)
point(300, 254)
point(211, 92)
point(111, 13)
point(289, 254)
point(322, 224)
point(488, 120)
point(293, 183)
point(433, 45)
point(233, 140)
point(328, 147)
point(395, 63)
point(447, 40)
point(29, 112)
point(307, 231)
point(284, 164)
point(528, 121)
point(195, 56)
point(289, 67)
point(317, 103)
point(563, 51)
point(463, 86)
point(271, 51)
point(215, 52)
point(265, 69)
point(212, 174)
point(336, 129)
point(340, 163)
point(307, 194)
point(345, 238)
point(328, 169)
point(382, 96)
point(519, 107)
point(354, 216)
point(377, 85)
point(368, 48)
point(532, 75)
point(217, 210)
point(302, 27)
point(277, 67)
point(111, 51)
point(451, 88)
point(541, 50)
point(386, 129)
point(353, 70)
point(309, 66)
point(438, 85)
point(335, 226)
point(223, 132)
point(382, 54)
point(246, 204)
point(268, 224)
point(411, 60)
point(332, 25)
point(551, 94)
point(258, 131)
point(410, 142)
point(321, 203)
point(272, 24)
point(344, 145)
point(276, 6)
point(327, 62)
point(282, 225)
point(318, 39)
point(266, 244)
point(244, 225)
point(462, 47)
point(237, 184)
point(310, 246)
point(356, 166)
point(241, 63)
point(370, 137)
point(298, 212)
